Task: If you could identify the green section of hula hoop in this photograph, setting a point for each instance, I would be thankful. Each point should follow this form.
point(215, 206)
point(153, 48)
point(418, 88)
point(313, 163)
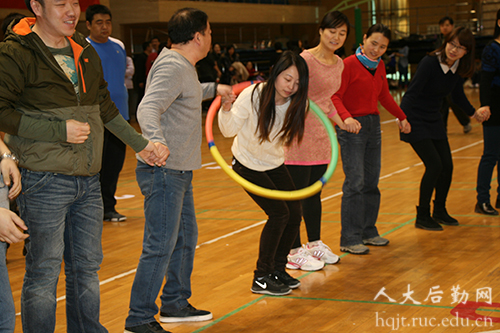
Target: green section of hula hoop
point(333, 140)
point(287, 195)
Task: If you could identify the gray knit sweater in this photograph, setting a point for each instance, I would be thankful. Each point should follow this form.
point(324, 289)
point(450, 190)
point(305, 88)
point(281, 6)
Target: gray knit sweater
point(170, 111)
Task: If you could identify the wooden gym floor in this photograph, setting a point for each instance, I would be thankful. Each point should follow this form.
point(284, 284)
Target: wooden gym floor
point(426, 275)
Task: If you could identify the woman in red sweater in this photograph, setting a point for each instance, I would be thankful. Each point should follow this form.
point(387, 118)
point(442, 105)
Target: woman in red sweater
point(361, 152)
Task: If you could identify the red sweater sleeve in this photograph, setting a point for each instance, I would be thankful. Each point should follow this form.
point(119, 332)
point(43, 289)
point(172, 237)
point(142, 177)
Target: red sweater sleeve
point(385, 96)
point(338, 97)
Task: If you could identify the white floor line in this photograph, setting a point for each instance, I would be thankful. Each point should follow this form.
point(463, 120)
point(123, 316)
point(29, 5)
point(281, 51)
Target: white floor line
point(119, 276)
point(207, 164)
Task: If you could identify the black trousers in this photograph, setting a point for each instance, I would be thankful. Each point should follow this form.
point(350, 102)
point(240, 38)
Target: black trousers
point(283, 221)
point(304, 176)
point(436, 155)
point(113, 156)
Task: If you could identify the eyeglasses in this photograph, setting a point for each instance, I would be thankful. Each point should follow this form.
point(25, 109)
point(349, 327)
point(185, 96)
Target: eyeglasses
point(458, 47)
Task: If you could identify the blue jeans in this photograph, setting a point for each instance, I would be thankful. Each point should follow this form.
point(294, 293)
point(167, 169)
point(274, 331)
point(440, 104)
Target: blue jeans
point(170, 236)
point(7, 310)
point(361, 155)
point(64, 218)
point(490, 158)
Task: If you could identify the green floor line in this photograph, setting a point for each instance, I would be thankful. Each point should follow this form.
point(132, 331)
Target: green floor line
point(229, 314)
point(302, 276)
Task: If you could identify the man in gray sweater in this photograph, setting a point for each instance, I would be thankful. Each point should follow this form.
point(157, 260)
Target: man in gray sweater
point(170, 113)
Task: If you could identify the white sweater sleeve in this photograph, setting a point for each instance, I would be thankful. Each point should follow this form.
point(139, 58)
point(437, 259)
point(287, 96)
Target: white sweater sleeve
point(232, 121)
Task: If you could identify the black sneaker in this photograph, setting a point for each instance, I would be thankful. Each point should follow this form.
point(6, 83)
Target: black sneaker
point(287, 279)
point(114, 217)
point(269, 285)
point(152, 327)
point(189, 313)
point(486, 209)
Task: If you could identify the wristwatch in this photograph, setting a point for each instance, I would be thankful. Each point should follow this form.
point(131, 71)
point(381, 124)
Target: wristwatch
point(9, 155)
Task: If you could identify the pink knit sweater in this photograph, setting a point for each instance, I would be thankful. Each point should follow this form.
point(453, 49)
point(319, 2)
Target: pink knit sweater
point(324, 81)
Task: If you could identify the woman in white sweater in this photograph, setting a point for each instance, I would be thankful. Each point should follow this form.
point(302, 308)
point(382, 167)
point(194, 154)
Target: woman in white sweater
point(265, 118)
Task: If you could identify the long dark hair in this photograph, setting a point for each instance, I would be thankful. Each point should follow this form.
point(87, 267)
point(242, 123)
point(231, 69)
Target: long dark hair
point(466, 39)
point(497, 28)
point(293, 126)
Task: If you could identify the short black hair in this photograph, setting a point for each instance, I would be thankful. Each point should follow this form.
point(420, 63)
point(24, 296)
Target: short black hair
point(9, 18)
point(380, 28)
point(444, 19)
point(96, 9)
point(28, 5)
point(145, 45)
point(334, 20)
point(185, 23)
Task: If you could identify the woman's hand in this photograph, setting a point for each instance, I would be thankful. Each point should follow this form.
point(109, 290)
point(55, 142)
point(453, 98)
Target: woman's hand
point(404, 126)
point(482, 114)
point(352, 125)
point(11, 176)
point(227, 101)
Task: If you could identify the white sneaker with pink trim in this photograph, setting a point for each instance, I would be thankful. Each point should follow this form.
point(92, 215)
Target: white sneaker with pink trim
point(304, 261)
point(321, 251)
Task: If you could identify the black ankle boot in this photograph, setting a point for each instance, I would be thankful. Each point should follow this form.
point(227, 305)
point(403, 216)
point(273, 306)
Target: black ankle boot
point(425, 221)
point(440, 215)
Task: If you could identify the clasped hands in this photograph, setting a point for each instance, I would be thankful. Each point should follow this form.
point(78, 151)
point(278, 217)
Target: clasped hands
point(482, 114)
point(153, 154)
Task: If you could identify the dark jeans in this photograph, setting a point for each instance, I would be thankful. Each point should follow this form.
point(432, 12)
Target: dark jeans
point(283, 221)
point(304, 176)
point(436, 155)
point(113, 156)
point(361, 155)
point(490, 158)
point(462, 117)
point(64, 218)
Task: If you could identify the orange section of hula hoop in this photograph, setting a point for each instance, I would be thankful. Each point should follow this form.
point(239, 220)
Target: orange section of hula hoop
point(215, 106)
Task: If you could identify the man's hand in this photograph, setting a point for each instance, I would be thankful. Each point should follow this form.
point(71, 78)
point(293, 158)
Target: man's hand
point(225, 91)
point(9, 223)
point(155, 154)
point(10, 172)
point(76, 132)
point(163, 152)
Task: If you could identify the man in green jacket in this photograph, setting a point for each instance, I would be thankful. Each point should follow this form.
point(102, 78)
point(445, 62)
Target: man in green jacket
point(54, 104)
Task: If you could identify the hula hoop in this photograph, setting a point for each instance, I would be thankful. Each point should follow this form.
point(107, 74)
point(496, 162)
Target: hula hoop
point(266, 192)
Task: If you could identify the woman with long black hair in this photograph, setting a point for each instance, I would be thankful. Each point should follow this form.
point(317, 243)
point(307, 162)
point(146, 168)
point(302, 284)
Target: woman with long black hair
point(265, 118)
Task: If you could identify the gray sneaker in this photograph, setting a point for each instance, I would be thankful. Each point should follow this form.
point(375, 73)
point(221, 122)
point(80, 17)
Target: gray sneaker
point(377, 241)
point(355, 249)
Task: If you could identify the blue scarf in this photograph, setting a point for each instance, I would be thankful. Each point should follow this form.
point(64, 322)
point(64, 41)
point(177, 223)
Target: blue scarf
point(367, 62)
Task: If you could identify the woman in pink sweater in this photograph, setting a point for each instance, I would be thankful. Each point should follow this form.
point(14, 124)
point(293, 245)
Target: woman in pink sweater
point(364, 74)
point(308, 161)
